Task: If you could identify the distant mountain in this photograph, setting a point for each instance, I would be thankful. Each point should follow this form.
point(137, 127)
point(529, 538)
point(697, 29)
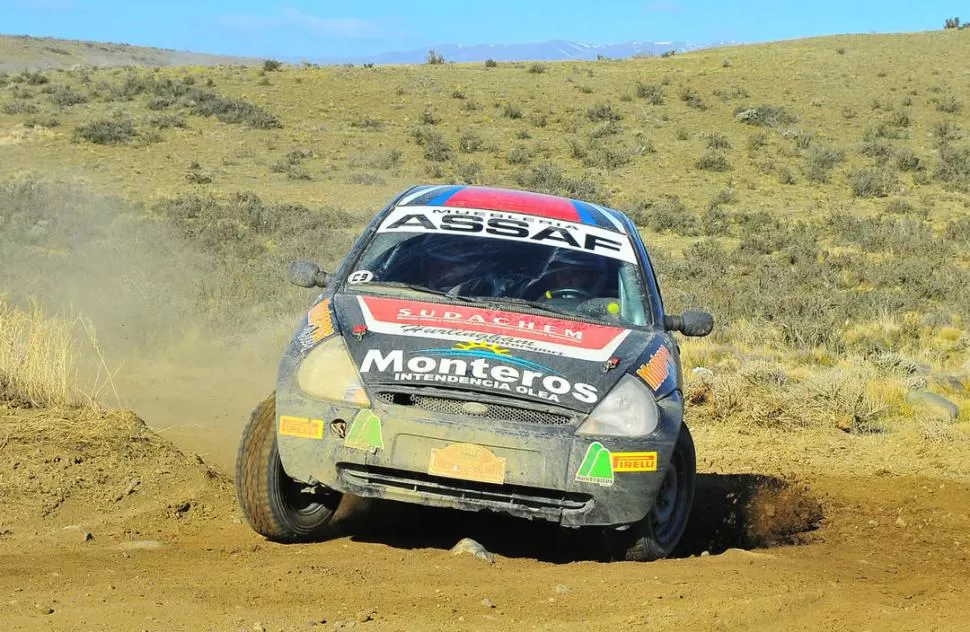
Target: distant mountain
point(553, 50)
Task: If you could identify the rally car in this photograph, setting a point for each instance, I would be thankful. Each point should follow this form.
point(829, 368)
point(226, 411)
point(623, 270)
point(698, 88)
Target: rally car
point(481, 348)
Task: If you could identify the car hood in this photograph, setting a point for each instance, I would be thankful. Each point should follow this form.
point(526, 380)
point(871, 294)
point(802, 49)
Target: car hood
point(473, 349)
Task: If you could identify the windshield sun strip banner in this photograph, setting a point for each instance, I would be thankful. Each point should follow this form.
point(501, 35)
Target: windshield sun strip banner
point(527, 332)
point(511, 227)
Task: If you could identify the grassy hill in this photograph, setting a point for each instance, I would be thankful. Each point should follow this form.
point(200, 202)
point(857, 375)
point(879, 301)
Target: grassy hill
point(23, 52)
point(813, 194)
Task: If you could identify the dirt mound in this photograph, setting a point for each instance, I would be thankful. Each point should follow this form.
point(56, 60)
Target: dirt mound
point(100, 474)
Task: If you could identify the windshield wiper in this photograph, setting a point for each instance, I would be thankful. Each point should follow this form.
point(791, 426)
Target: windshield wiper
point(543, 307)
point(424, 290)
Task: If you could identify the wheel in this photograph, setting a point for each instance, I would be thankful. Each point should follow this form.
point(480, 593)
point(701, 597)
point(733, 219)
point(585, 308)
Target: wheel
point(656, 536)
point(276, 506)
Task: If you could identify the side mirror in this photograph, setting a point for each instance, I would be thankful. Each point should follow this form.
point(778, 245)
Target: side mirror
point(693, 322)
point(306, 274)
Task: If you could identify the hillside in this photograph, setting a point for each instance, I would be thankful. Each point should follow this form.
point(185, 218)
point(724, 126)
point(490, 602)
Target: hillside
point(813, 194)
point(23, 52)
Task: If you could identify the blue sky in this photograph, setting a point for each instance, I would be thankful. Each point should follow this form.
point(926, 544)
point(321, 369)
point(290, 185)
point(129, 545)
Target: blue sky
point(332, 28)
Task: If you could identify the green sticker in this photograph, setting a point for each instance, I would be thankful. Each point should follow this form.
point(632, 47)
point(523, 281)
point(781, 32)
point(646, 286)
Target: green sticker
point(597, 466)
point(365, 432)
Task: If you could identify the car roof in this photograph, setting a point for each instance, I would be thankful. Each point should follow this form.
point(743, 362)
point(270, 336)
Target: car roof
point(515, 201)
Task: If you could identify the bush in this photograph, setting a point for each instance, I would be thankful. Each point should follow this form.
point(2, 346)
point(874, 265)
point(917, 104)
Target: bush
point(870, 182)
point(490, 63)
point(65, 96)
point(436, 148)
point(716, 140)
point(652, 92)
point(166, 121)
point(537, 69)
point(469, 142)
point(713, 161)
point(765, 116)
point(271, 65)
point(954, 166)
point(430, 117)
point(692, 99)
point(229, 110)
point(435, 58)
point(19, 107)
point(511, 111)
point(906, 160)
point(820, 160)
point(114, 131)
point(948, 104)
point(603, 112)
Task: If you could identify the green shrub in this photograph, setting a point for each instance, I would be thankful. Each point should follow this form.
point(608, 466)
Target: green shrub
point(906, 160)
point(713, 161)
point(692, 99)
point(511, 111)
point(469, 142)
point(603, 112)
point(764, 115)
point(490, 63)
point(652, 92)
point(65, 96)
point(872, 182)
point(820, 160)
point(113, 131)
point(716, 140)
point(271, 65)
point(19, 107)
point(537, 69)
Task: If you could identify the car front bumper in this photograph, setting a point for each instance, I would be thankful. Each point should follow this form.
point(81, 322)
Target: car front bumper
point(473, 463)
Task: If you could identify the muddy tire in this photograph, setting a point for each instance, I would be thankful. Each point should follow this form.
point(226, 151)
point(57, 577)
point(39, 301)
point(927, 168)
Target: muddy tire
point(276, 506)
point(657, 535)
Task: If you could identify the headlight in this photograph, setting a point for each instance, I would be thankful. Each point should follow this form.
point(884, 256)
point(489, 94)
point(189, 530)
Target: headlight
point(628, 411)
point(329, 373)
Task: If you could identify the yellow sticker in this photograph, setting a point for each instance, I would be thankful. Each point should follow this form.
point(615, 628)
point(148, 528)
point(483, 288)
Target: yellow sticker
point(301, 427)
point(469, 462)
point(634, 461)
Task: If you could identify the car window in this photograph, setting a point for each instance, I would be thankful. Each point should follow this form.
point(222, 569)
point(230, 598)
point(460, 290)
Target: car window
point(577, 271)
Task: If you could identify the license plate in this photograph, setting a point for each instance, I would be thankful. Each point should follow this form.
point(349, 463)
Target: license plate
point(467, 461)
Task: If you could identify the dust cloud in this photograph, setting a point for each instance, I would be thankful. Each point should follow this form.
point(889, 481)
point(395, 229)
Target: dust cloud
point(193, 373)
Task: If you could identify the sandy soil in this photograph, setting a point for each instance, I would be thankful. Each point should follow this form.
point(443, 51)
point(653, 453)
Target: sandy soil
point(106, 526)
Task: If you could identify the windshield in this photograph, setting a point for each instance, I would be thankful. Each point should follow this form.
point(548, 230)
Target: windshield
point(506, 258)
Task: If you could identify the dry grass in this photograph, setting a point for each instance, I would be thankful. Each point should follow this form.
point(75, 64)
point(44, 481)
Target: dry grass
point(39, 359)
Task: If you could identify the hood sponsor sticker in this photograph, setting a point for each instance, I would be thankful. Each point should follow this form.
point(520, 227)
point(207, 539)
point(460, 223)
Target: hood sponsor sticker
point(319, 326)
point(481, 365)
point(528, 332)
point(658, 368)
point(510, 226)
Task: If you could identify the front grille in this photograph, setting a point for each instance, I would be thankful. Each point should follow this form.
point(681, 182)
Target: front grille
point(454, 407)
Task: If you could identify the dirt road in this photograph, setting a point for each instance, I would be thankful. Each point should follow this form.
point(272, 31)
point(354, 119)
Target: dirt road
point(104, 526)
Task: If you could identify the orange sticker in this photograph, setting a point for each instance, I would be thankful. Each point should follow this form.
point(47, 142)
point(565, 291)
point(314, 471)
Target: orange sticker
point(319, 321)
point(656, 371)
point(634, 461)
point(469, 462)
point(301, 427)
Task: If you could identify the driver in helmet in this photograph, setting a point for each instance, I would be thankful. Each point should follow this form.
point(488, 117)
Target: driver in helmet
point(574, 274)
point(445, 263)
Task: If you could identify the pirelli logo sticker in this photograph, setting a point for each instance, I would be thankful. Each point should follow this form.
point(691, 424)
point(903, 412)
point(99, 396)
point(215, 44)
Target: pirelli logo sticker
point(301, 427)
point(634, 461)
point(658, 368)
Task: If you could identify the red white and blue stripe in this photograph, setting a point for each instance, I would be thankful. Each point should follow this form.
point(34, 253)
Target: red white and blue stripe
point(515, 201)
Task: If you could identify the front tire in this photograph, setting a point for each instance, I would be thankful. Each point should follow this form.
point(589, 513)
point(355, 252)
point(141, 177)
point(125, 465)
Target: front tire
point(657, 535)
point(276, 506)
